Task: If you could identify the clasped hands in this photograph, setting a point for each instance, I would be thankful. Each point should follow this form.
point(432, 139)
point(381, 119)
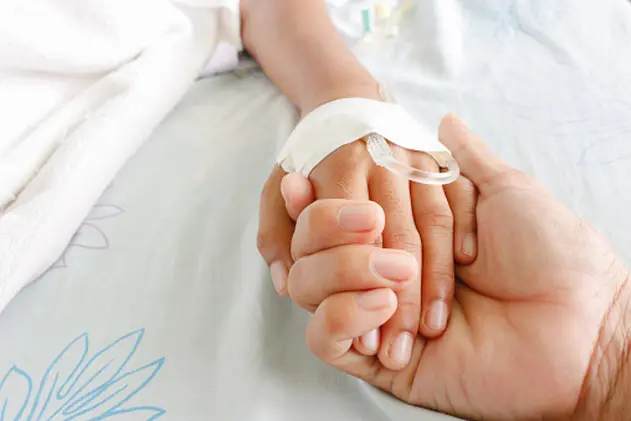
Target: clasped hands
point(484, 299)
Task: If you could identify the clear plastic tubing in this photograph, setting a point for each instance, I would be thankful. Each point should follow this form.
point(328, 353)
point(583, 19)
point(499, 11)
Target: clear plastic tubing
point(382, 155)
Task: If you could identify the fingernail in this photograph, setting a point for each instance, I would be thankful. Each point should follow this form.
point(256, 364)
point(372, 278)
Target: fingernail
point(401, 350)
point(376, 300)
point(279, 276)
point(459, 124)
point(468, 245)
point(357, 218)
point(436, 316)
point(371, 340)
point(283, 191)
point(393, 265)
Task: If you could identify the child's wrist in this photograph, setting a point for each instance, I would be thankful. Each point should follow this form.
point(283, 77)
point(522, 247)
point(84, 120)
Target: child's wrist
point(359, 88)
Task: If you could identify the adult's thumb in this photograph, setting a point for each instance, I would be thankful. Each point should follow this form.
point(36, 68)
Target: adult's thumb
point(477, 162)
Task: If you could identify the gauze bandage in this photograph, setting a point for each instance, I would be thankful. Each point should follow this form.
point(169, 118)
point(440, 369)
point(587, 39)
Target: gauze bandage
point(344, 121)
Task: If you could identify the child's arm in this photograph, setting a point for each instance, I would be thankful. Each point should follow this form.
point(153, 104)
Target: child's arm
point(301, 51)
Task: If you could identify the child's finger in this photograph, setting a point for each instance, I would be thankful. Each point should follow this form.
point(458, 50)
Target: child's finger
point(332, 222)
point(435, 224)
point(297, 192)
point(345, 316)
point(392, 192)
point(463, 198)
point(343, 174)
point(349, 268)
point(368, 344)
point(275, 231)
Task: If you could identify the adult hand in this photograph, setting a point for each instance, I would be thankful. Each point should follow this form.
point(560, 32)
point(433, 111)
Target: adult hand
point(439, 228)
point(527, 315)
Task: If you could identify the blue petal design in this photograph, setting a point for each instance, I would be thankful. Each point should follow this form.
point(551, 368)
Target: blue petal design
point(90, 236)
point(75, 389)
point(134, 414)
point(61, 262)
point(11, 406)
point(107, 364)
point(59, 379)
point(116, 393)
point(100, 211)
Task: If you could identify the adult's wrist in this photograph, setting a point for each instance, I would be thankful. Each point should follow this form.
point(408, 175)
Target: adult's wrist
point(606, 393)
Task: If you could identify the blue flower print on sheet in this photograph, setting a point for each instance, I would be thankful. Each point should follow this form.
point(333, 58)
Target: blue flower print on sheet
point(83, 387)
point(90, 236)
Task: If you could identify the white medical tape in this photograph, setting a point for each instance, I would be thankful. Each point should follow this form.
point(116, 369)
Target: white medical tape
point(344, 121)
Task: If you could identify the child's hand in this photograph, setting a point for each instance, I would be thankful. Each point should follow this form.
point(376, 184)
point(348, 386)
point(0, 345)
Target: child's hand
point(439, 229)
point(330, 259)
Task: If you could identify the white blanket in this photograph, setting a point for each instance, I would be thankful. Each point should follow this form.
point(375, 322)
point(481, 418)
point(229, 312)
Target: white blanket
point(82, 85)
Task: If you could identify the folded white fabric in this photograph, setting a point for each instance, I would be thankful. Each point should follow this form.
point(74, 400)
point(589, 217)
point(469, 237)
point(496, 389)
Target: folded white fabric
point(82, 85)
point(344, 121)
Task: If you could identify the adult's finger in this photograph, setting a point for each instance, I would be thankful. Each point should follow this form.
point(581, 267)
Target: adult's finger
point(297, 192)
point(477, 162)
point(435, 224)
point(275, 231)
point(345, 316)
point(348, 268)
point(332, 222)
point(463, 198)
point(392, 192)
